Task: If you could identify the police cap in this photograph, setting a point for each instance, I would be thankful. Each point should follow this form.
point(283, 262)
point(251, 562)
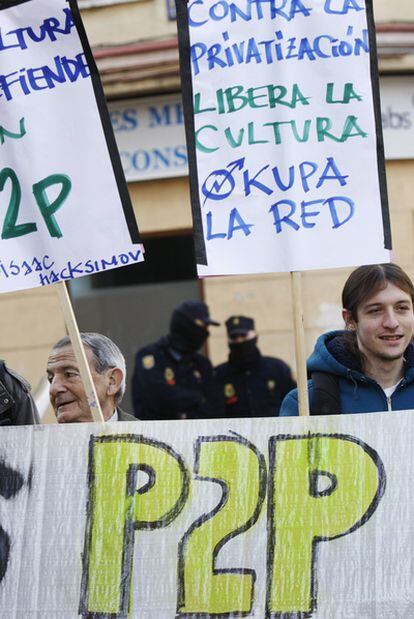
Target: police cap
point(196, 310)
point(239, 325)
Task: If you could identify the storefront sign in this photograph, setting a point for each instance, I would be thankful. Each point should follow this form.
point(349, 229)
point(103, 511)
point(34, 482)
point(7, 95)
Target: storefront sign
point(150, 137)
point(397, 111)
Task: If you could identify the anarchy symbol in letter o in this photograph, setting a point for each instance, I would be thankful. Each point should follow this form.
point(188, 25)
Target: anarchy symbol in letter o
point(218, 185)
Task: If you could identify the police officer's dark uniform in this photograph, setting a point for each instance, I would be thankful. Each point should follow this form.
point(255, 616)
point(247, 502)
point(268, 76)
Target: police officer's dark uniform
point(17, 407)
point(252, 385)
point(171, 379)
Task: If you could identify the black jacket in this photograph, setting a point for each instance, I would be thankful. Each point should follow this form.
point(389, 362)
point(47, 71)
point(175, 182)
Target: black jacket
point(257, 391)
point(17, 407)
point(169, 385)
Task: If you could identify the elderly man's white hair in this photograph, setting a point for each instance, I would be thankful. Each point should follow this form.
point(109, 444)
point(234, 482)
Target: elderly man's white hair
point(105, 353)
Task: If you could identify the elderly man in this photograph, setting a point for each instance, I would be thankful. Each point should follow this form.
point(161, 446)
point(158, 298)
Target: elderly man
point(67, 393)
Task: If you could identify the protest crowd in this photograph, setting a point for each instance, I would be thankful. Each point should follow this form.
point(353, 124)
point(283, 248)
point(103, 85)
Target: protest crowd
point(174, 170)
point(366, 367)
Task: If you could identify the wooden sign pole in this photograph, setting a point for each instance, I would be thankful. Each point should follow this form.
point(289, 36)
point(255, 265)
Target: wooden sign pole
point(300, 346)
point(79, 351)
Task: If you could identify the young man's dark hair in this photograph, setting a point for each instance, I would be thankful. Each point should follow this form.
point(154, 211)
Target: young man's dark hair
point(362, 283)
point(366, 280)
point(369, 366)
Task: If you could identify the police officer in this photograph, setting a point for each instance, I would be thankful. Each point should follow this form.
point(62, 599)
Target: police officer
point(17, 407)
point(171, 379)
point(253, 385)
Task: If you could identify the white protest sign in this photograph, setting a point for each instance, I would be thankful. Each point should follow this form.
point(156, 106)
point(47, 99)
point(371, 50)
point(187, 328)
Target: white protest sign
point(286, 148)
point(149, 131)
point(257, 518)
point(65, 207)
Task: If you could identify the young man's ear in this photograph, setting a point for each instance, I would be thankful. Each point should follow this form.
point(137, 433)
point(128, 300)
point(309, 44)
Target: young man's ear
point(348, 320)
point(115, 376)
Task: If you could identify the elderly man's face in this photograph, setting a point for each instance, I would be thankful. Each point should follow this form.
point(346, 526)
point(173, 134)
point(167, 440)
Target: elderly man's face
point(66, 391)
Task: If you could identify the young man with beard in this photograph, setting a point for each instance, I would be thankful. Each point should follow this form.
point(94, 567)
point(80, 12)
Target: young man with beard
point(252, 385)
point(171, 379)
point(369, 366)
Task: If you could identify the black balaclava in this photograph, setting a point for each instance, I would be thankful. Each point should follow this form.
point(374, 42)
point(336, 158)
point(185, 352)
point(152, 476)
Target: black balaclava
point(185, 335)
point(244, 355)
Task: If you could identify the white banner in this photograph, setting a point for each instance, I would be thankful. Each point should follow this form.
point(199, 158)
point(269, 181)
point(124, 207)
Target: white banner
point(65, 208)
point(265, 518)
point(285, 135)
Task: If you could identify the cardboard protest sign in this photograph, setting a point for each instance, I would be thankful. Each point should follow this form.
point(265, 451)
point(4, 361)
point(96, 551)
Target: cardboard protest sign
point(219, 518)
point(284, 134)
point(65, 205)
